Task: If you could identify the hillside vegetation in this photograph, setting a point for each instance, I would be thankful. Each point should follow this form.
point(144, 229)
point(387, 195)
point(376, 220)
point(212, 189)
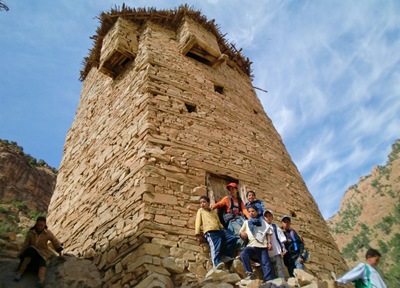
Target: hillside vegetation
point(369, 216)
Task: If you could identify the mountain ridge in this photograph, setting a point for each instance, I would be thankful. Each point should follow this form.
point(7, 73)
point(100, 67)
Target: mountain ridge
point(369, 216)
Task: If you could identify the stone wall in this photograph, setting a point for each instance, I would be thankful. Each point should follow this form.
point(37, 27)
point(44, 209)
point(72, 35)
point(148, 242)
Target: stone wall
point(139, 151)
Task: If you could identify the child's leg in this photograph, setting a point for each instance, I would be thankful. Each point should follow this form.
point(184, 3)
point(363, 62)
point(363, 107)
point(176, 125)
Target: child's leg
point(262, 254)
point(235, 226)
point(299, 265)
point(245, 256)
point(230, 242)
point(214, 241)
point(289, 263)
point(42, 274)
point(24, 264)
point(280, 272)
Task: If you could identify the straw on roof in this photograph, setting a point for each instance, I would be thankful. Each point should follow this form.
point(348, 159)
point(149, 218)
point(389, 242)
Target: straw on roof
point(171, 18)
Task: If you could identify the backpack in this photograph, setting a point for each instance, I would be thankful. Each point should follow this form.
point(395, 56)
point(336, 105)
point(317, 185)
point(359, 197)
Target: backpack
point(276, 235)
point(305, 253)
point(359, 283)
point(225, 217)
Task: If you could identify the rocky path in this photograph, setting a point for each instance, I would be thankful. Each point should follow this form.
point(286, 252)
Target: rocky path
point(68, 272)
point(7, 271)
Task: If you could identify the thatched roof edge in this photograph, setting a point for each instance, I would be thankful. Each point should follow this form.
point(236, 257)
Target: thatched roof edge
point(170, 18)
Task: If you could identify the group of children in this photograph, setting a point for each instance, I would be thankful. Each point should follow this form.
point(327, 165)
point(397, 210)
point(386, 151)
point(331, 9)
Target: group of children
point(250, 231)
point(247, 228)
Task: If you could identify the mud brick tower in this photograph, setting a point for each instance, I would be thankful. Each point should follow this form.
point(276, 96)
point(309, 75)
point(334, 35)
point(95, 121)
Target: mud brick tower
point(168, 113)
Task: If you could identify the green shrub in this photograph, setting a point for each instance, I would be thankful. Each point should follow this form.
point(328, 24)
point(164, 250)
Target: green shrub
point(358, 242)
point(5, 228)
point(31, 161)
point(19, 204)
point(394, 154)
point(34, 214)
point(383, 248)
point(348, 216)
point(386, 224)
point(4, 209)
point(384, 170)
point(392, 275)
point(13, 218)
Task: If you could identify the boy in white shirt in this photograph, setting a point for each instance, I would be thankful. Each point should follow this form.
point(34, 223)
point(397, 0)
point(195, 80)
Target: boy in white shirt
point(258, 232)
point(278, 239)
point(365, 272)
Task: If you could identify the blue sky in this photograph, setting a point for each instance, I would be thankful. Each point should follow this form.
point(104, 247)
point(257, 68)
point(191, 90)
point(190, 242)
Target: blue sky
point(332, 69)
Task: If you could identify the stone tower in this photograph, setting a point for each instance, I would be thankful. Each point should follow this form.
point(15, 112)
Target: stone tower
point(167, 114)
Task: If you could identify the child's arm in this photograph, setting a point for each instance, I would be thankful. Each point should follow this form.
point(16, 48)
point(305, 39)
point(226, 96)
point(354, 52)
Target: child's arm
point(198, 227)
point(222, 203)
point(198, 224)
point(268, 235)
point(242, 232)
point(244, 210)
point(355, 273)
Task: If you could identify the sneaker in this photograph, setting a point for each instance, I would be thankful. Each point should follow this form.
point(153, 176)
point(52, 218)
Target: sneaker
point(220, 266)
point(250, 276)
point(254, 263)
point(17, 277)
point(226, 259)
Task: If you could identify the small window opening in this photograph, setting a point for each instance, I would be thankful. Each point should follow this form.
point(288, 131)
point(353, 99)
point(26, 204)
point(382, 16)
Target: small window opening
point(190, 107)
point(219, 89)
point(293, 214)
point(116, 64)
point(199, 58)
point(125, 62)
point(255, 112)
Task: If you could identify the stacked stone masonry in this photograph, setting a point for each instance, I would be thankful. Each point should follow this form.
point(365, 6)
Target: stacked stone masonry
point(139, 151)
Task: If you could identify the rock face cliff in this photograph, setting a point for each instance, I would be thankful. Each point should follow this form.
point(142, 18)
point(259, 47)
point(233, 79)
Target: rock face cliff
point(369, 216)
point(168, 114)
point(24, 179)
point(26, 186)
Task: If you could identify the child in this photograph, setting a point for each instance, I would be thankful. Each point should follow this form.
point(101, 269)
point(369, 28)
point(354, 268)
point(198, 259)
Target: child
point(35, 251)
point(294, 246)
point(251, 198)
point(258, 232)
point(278, 249)
point(217, 237)
point(365, 272)
point(235, 211)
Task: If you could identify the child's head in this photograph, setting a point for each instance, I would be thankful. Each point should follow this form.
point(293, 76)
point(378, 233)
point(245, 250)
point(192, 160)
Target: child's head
point(253, 211)
point(268, 216)
point(251, 196)
point(40, 223)
point(204, 202)
point(232, 188)
point(372, 257)
point(286, 222)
